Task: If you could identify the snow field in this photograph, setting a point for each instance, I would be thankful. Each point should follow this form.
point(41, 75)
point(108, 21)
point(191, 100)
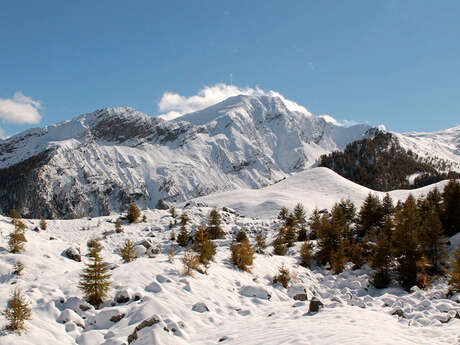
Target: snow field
point(225, 305)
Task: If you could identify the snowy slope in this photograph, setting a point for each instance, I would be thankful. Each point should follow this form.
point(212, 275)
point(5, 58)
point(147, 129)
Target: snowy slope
point(241, 307)
point(442, 145)
point(314, 188)
point(99, 162)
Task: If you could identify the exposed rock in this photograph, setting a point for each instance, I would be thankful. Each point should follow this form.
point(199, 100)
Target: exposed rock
point(68, 315)
point(122, 296)
point(200, 307)
point(73, 253)
point(399, 312)
point(146, 323)
point(117, 318)
point(301, 297)
point(315, 305)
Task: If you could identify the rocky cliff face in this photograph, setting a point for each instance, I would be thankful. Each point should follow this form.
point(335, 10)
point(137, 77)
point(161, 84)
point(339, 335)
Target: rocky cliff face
point(99, 162)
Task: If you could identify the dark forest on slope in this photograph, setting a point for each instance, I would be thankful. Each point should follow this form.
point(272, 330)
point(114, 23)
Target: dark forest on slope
point(380, 163)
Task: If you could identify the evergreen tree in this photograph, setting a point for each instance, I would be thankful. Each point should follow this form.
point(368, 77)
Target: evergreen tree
point(43, 224)
point(241, 235)
point(184, 218)
point(260, 243)
point(17, 311)
point(133, 213)
point(432, 241)
point(290, 236)
point(94, 281)
point(306, 254)
point(338, 259)
point(314, 223)
point(242, 255)
point(214, 225)
point(190, 262)
point(279, 244)
point(450, 214)
point(16, 240)
point(454, 282)
point(327, 240)
point(127, 251)
point(387, 206)
point(405, 244)
point(203, 246)
point(381, 262)
point(370, 215)
point(283, 213)
point(183, 237)
point(118, 227)
point(299, 214)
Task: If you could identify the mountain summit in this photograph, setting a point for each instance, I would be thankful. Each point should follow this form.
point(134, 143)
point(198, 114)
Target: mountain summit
point(99, 162)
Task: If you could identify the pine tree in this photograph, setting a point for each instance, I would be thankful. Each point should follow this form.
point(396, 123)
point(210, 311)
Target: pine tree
point(314, 223)
point(387, 206)
point(432, 241)
point(43, 224)
point(451, 208)
point(299, 213)
point(338, 259)
point(370, 215)
point(283, 213)
point(279, 244)
point(260, 243)
point(17, 238)
point(241, 235)
point(214, 229)
point(290, 236)
point(305, 254)
point(327, 240)
point(171, 254)
point(118, 227)
point(183, 237)
point(127, 251)
point(454, 281)
point(18, 268)
point(203, 246)
point(242, 255)
point(381, 262)
point(133, 213)
point(94, 281)
point(17, 311)
point(184, 219)
point(404, 243)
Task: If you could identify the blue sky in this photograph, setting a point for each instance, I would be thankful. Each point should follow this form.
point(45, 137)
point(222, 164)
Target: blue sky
point(390, 62)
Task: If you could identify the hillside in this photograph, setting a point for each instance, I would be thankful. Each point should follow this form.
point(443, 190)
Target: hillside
point(97, 163)
point(381, 163)
point(314, 188)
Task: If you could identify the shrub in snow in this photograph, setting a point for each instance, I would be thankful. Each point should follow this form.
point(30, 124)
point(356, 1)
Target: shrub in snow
point(118, 227)
point(17, 239)
point(242, 255)
point(190, 262)
point(133, 213)
point(127, 251)
point(94, 281)
point(17, 311)
point(260, 243)
point(283, 277)
point(43, 224)
point(18, 268)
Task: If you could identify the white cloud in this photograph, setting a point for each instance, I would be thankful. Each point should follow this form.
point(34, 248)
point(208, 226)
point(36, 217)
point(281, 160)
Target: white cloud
point(20, 109)
point(173, 105)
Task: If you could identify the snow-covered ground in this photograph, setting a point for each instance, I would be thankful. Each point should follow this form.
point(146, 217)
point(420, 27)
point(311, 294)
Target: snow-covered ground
point(223, 306)
point(314, 188)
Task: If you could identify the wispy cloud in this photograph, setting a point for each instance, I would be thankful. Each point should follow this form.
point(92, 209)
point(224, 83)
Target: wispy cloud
point(20, 109)
point(173, 105)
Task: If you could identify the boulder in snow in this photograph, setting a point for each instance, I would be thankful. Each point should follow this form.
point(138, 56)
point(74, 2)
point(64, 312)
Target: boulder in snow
point(146, 323)
point(122, 296)
point(73, 253)
point(255, 291)
point(68, 315)
point(315, 305)
point(200, 307)
point(139, 251)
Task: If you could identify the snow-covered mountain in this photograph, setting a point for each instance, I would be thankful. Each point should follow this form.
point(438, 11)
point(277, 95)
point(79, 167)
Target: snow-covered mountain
point(441, 146)
point(98, 162)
